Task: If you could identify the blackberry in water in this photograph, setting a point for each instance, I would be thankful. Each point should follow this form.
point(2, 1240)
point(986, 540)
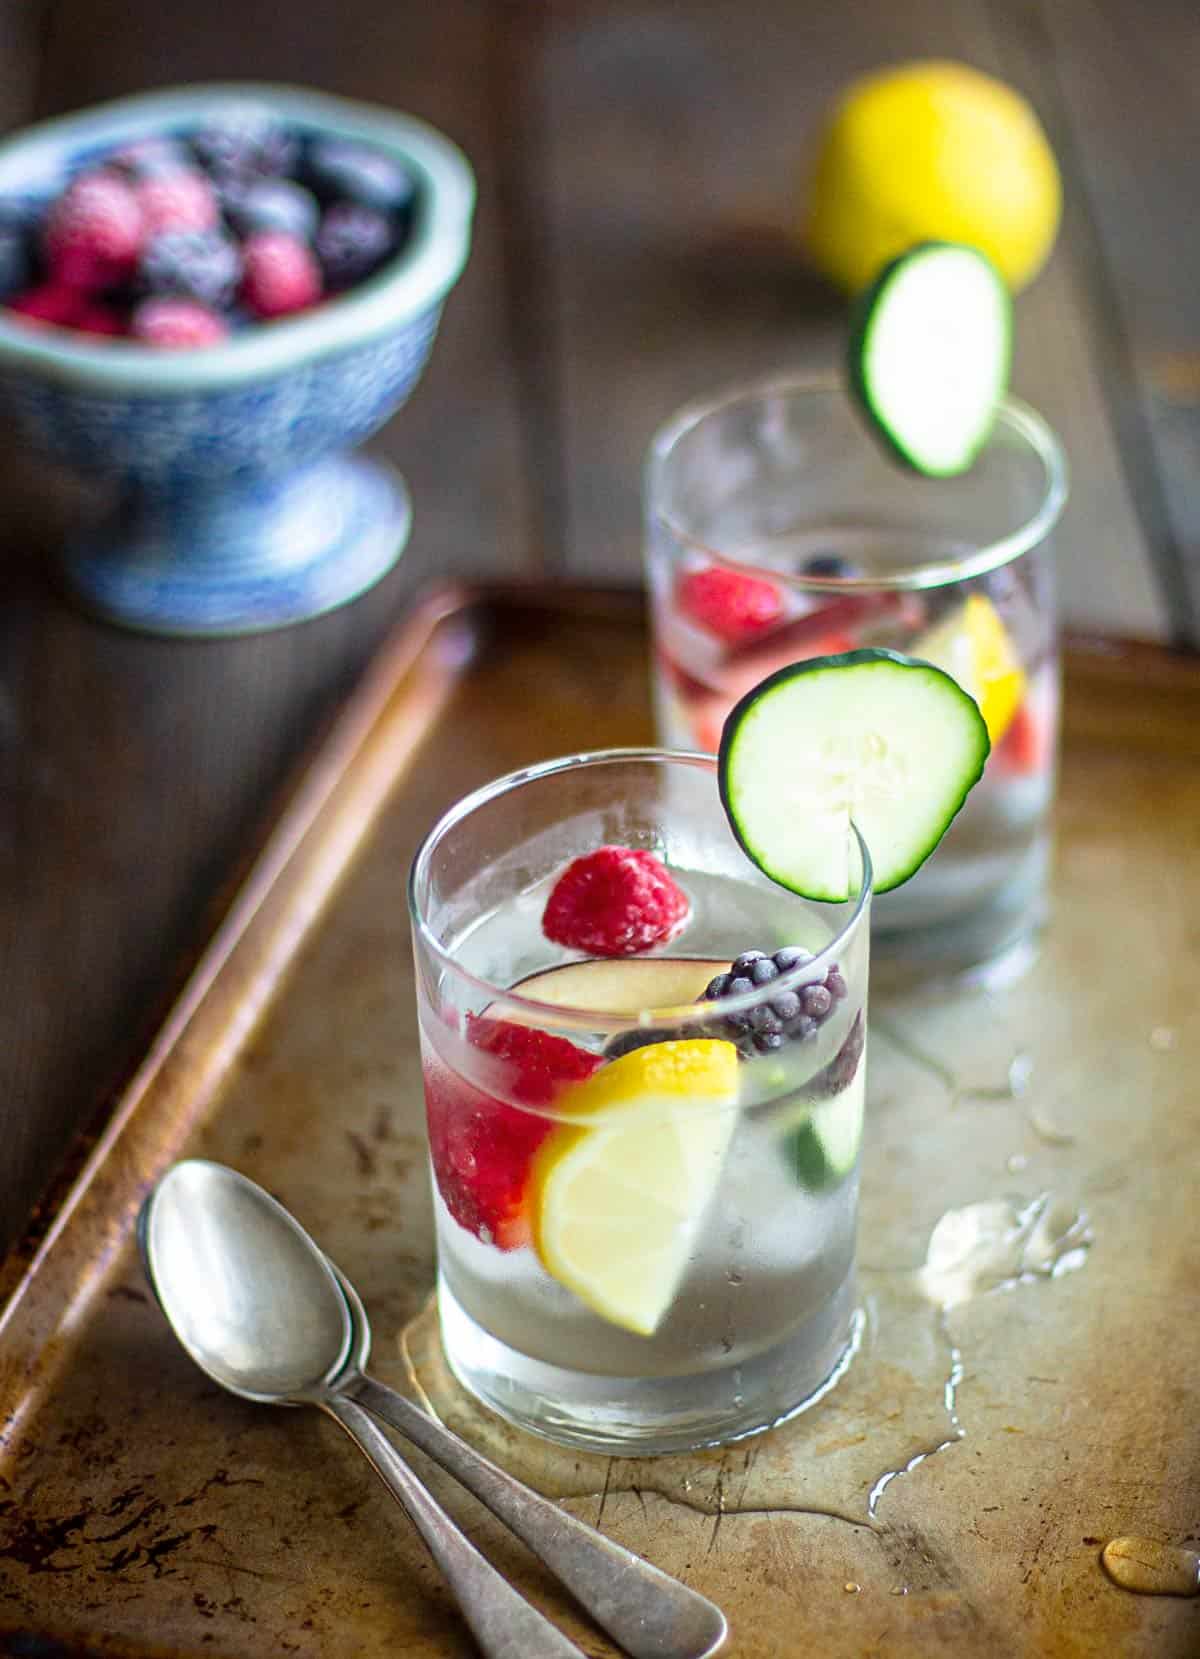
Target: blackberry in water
point(791, 1016)
point(839, 1073)
point(195, 265)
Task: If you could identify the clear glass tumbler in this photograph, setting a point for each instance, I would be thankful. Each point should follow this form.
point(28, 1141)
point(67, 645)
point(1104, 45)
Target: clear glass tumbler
point(777, 529)
point(646, 1200)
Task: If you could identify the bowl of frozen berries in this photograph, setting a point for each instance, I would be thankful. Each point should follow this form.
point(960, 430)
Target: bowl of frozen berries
point(208, 298)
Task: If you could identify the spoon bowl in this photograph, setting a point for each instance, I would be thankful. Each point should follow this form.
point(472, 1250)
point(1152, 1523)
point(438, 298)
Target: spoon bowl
point(255, 1305)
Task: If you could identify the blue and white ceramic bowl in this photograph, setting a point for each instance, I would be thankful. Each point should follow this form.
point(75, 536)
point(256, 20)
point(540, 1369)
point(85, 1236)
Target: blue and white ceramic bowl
point(237, 505)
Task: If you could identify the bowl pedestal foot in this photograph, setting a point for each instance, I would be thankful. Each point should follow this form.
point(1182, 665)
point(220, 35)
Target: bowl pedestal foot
point(240, 560)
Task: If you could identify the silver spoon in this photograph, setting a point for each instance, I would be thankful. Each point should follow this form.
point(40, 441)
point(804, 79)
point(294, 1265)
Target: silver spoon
point(261, 1311)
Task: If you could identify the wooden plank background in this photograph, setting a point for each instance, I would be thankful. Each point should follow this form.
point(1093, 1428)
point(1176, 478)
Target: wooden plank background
point(638, 166)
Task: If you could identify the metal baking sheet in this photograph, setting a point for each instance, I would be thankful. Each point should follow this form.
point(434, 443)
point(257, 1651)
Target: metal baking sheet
point(951, 1496)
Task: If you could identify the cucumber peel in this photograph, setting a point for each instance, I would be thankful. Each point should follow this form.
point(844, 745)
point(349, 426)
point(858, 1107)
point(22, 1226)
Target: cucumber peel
point(883, 741)
point(930, 354)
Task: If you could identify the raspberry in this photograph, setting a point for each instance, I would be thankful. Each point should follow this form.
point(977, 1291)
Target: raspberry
point(352, 242)
point(177, 324)
point(182, 200)
point(190, 264)
point(790, 1016)
point(614, 901)
point(270, 204)
point(280, 275)
point(354, 172)
point(93, 232)
point(729, 603)
point(481, 1147)
point(96, 318)
point(49, 302)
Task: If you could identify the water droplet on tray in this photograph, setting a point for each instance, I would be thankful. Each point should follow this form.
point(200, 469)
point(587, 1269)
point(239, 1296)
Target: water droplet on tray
point(1151, 1569)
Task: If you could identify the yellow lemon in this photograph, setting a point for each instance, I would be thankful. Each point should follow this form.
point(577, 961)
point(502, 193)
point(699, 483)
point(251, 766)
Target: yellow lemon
point(619, 1192)
point(931, 151)
point(974, 647)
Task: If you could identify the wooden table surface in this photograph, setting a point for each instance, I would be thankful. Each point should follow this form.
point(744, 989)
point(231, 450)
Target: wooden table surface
point(637, 167)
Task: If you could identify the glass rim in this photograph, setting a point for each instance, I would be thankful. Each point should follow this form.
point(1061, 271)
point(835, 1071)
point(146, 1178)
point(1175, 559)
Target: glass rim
point(1013, 413)
point(573, 1015)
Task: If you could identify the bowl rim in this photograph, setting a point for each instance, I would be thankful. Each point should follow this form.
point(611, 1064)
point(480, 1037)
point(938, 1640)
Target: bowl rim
point(427, 270)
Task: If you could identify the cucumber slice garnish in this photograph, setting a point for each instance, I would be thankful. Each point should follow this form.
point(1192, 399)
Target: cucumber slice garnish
point(930, 353)
point(823, 1149)
point(890, 742)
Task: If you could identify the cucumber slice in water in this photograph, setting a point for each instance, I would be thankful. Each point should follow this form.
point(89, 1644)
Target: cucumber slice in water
point(822, 1150)
point(871, 736)
point(930, 353)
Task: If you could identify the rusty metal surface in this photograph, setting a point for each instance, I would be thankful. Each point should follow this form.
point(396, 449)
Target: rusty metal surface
point(143, 1512)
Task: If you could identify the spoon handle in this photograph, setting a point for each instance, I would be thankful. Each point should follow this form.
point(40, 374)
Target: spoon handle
point(503, 1623)
point(649, 1614)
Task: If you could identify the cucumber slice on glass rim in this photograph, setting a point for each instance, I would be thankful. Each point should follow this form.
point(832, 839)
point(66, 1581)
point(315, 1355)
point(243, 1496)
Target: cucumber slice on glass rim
point(930, 353)
point(873, 737)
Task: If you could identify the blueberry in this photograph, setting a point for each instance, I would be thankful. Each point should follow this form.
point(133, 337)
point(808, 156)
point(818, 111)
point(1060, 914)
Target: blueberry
point(198, 265)
point(742, 963)
point(353, 241)
point(789, 956)
point(270, 204)
point(830, 564)
point(763, 971)
point(341, 169)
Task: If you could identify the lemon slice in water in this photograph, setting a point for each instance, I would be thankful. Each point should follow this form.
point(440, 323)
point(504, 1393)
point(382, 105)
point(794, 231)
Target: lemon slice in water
point(617, 1199)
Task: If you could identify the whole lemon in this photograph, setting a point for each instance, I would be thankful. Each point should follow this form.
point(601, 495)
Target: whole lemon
point(931, 151)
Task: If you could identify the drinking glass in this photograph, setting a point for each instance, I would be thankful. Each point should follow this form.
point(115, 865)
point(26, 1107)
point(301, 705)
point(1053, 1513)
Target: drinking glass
point(721, 1204)
point(778, 529)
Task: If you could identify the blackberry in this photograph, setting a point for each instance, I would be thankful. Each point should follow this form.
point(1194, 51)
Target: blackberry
point(791, 1016)
point(830, 564)
point(270, 204)
point(187, 264)
point(352, 242)
point(839, 1073)
point(626, 1041)
point(341, 169)
point(242, 139)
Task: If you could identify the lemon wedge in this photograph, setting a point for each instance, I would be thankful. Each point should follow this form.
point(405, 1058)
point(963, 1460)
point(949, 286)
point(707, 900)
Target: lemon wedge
point(617, 1200)
point(974, 647)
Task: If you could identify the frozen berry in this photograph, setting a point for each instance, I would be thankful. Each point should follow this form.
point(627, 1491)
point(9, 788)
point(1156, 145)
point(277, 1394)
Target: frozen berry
point(481, 1147)
point(614, 901)
point(834, 565)
point(729, 603)
point(352, 242)
point(49, 302)
point(789, 1015)
point(342, 169)
point(93, 232)
point(177, 324)
point(149, 158)
point(270, 204)
point(16, 252)
point(182, 200)
point(196, 265)
point(242, 138)
point(280, 275)
point(97, 318)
